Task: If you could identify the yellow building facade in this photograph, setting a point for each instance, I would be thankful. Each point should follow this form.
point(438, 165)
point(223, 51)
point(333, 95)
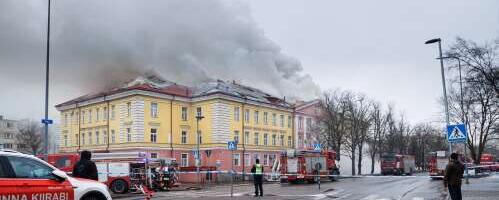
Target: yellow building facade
point(161, 120)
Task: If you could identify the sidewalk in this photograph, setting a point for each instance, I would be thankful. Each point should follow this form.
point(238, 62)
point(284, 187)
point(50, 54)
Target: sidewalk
point(482, 188)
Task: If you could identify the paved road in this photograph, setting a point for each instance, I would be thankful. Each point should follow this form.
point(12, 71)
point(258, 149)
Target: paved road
point(366, 188)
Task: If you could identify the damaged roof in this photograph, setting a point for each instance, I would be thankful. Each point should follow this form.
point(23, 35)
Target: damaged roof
point(158, 85)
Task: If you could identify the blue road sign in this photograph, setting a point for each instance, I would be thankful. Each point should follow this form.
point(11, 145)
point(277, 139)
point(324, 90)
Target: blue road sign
point(232, 145)
point(456, 133)
point(317, 147)
point(47, 121)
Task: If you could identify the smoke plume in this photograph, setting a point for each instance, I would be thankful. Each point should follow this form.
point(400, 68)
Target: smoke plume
point(97, 44)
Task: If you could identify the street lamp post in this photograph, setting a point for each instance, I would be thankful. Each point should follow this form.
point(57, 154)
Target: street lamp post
point(464, 117)
point(198, 159)
point(443, 81)
point(47, 62)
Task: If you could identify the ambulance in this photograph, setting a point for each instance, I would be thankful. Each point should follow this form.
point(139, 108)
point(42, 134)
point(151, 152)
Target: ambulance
point(26, 177)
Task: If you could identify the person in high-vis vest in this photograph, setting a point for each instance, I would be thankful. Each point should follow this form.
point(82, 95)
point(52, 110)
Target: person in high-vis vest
point(257, 171)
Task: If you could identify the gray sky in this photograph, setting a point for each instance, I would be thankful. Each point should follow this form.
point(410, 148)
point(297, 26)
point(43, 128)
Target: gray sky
point(286, 47)
point(376, 47)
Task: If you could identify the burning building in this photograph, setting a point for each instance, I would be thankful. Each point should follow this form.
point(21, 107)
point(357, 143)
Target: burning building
point(163, 119)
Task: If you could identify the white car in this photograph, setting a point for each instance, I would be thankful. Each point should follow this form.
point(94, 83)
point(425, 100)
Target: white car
point(26, 177)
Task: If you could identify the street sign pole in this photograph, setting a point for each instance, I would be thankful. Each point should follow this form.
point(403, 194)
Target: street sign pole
point(232, 175)
point(466, 163)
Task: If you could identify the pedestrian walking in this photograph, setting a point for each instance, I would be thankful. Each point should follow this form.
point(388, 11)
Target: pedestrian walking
point(453, 176)
point(257, 171)
point(85, 168)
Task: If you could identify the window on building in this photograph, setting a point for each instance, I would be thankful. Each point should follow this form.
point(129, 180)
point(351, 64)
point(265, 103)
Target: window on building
point(154, 109)
point(247, 159)
point(246, 115)
point(7, 145)
point(256, 138)
point(300, 122)
point(282, 140)
point(274, 119)
point(128, 135)
point(256, 156)
point(199, 112)
point(82, 117)
point(90, 142)
point(290, 141)
point(265, 159)
point(274, 140)
point(97, 139)
point(9, 125)
point(105, 113)
point(97, 114)
point(89, 116)
point(184, 137)
point(82, 138)
point(154, 155)
point(153, 135)
point(257, 120)
point(237, 159)
point(289, 122)
point(65, 120)
point(77, 140)
point(246, 137)
point(265, 118)
point(184, 113)
point(72, 118)
point(113, 113)
point(236, 136)
point(200, 137)
point(281, 120)
point(236, 114)
point(104, 137)
point(308, 123)
point(265, 139)
point(184, 160)
point(128, 109)
point(113, 137)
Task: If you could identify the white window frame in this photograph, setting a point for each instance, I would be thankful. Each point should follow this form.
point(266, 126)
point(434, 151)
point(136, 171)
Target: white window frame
point(274, 138)
point(97, 141)
point(246, 115)
point(65, 140)
point(274, 119)
point(256, 116)
point(236, 157)
point(236, 113)
point(265, 139)
point(113, 137)
point(247, 159)
point(182, 162)
point(154, 109)
point(281, 118)
point(154, 135)
point(97, 114)
point(183, 137)
point(113, 113)
point(128, 109)
point(246, 137)
point(128, 135)
point(266, 118)
point(184, 113)
point(104, 135)
point(256, 139)
point(90, 138)
point(236, 136)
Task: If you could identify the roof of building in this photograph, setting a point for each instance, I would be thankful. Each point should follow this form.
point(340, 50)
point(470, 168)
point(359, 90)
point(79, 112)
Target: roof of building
point(158, 85)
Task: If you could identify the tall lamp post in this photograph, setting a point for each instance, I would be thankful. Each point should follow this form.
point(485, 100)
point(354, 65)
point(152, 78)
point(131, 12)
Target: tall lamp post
point(465, 118)
point(443, 81)
point(46, 121)
point(198, 159)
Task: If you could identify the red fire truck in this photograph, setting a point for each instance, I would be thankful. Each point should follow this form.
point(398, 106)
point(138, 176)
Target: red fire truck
point(437, 161)
point(299, 166)
point(396, 164)
point(488, 163)
point(124, 171)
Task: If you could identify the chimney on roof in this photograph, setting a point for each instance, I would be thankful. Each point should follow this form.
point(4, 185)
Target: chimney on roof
point(284, 98)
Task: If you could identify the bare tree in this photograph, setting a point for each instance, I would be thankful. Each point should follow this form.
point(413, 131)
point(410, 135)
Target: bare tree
point(479, 108)
point(332, 119)
point(377, 133)
point(29, 137)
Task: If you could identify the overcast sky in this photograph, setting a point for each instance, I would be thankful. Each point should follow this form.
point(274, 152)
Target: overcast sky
point(376, 47)
point(281, 46)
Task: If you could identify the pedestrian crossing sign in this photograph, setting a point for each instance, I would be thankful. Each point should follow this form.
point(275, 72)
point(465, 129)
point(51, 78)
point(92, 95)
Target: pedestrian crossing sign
point(232, 145)
point(456, 133)
point(317, 147)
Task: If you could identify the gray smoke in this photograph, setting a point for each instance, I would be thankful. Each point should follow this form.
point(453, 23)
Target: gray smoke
point(97, 44)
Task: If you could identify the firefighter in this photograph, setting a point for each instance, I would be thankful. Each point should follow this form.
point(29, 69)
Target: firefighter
point(453, 175)
point(257, 171)
point(85, 168)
